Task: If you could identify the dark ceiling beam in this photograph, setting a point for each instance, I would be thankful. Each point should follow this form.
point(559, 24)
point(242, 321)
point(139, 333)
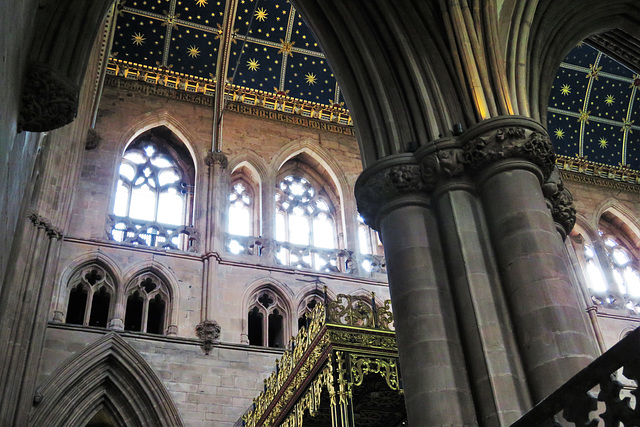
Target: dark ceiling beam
point(222, 68)
point(620, 46)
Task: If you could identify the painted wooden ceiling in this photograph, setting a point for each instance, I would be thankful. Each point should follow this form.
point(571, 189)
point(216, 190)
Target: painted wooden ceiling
point(270, 48)
point(591, 108)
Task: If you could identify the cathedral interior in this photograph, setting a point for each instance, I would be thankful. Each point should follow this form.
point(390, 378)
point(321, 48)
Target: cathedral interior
point(320, 213)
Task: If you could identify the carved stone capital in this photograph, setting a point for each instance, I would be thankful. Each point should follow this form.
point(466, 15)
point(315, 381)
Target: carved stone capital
point(505, 138)
point(440, 165)
point(216, 157)
point(209, 332)
point(44, 224)
point(386, 181)
point(48, 102)
point(560, 202)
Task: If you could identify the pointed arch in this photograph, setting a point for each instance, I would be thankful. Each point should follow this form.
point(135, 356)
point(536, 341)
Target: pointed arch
point(147, 269)
point(108, 375)
point(622, 218)
point(253, 161)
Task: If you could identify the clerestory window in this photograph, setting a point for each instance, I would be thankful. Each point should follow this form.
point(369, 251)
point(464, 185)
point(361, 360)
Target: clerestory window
point(303, 218)
point(154, 197)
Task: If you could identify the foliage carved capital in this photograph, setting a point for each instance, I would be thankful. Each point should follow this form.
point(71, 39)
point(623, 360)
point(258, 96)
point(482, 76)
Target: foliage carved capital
point(511, 142)
point(48, 102)
point(386, 181)
point(560, 202)
point(216, 158)
point(43, 223)
point(441, 165)
point(208, 332)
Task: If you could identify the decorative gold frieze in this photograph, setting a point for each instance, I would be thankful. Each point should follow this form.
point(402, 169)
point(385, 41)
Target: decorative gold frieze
point(387, 368)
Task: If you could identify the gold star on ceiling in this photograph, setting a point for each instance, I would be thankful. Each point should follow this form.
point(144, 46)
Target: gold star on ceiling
point(603, 142)
point(253, 64)
point(201, 3)
point(286, 47)
point(609, 100)
point(310, 78)
point(261, 14)
point(565, 90)
point(138, 39)
point(559, 133)
point(193, 51)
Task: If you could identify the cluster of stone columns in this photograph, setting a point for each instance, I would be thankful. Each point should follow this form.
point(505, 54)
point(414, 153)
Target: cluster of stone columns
point(488, 321)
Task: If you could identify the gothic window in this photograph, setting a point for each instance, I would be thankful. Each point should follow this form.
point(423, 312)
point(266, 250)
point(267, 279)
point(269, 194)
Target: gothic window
point(370, 247)
point(240, 209)
point(266, 320)
point(306, 307)
point(90, 294)
point(154, 194)
point(624, 268)
point(147, 303)
point(303, 218)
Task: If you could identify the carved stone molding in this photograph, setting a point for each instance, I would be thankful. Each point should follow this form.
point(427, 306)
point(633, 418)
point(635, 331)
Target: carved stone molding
point(216, 157)
point(386, 181)
point(560, 202)
point(43, 223)
point(48, 102)
point(443, 164)
point(511, 142)
point(209, 332)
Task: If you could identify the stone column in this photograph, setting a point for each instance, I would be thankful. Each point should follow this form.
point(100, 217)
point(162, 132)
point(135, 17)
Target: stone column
point(391, 198)
point(24, 306)
point(496, 373)
point(513, 157)
point(214, 240)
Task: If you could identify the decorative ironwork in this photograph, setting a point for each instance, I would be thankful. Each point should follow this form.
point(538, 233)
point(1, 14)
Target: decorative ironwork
point(152, 234)
point(387, 368)
point(577, 400)
point(312, 365)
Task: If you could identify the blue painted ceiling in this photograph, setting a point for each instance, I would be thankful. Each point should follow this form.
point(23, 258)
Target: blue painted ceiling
point(590, 115)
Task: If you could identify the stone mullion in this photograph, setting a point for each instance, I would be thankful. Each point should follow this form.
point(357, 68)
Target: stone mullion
point(514, 157)
point(391, 197)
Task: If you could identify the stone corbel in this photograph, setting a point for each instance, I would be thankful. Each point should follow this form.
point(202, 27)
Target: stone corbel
point(208, 331)
point(49, 100)
point(41, 222)
point(216, 158)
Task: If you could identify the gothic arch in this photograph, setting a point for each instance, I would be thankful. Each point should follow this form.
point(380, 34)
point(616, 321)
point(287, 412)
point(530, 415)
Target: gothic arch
point(276, 286)
point(162, 117)
point(94, 257)
point(253, 162)
point(108, 375)
point(165, 274)
point(622, 219)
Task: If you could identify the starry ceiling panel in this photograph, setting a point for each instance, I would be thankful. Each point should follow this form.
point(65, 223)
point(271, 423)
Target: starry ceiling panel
point(309, 77)
point(301, 35)
point(193, 51)
point(139, 39)
point(593, 108)
point(149, 6)
point(270, 19)
point(258, 68)
point(602, 143)
point(208, 13)
point(565, 133)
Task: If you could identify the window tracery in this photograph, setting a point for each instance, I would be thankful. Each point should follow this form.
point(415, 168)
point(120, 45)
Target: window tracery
point(91, 291)
point(266, 320)
point(306, 306)
point(303, 218)
point(153, 198)
point(147, 305)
